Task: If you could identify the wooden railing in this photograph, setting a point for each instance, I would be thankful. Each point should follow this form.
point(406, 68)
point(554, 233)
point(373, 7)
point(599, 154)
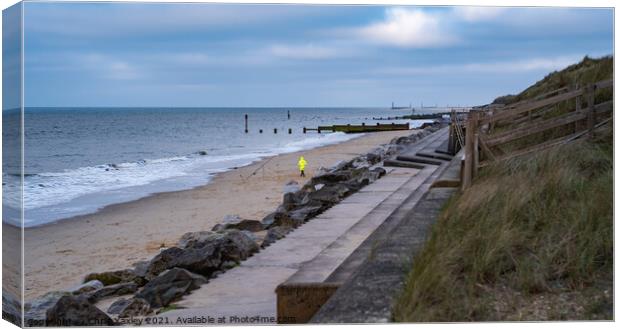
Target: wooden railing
point(547, 120)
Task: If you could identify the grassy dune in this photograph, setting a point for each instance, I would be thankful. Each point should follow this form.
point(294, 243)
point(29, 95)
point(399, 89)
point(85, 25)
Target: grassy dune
point(532, 239)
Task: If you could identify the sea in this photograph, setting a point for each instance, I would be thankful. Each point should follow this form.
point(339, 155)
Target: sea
point(78, 160)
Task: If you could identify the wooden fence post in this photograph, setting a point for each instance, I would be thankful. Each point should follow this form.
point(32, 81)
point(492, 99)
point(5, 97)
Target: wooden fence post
point(591, 115)
point(476, 119)
point(578, 125)
point(451, 135)
point(469, 152)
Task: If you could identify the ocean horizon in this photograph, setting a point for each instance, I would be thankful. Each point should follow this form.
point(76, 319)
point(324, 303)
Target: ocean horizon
point(81, 159)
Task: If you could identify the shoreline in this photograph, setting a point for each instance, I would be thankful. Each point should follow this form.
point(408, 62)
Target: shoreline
point(59, 254)
point(112, 206)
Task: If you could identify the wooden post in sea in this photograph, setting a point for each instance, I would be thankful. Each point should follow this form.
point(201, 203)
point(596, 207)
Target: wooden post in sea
point(304, 130)
point(275, 130)
point(288, 114)
point(246, 123)
point(290, 131)
point(260, 131)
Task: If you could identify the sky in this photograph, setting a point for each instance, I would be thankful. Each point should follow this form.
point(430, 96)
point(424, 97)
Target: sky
point(215, 55)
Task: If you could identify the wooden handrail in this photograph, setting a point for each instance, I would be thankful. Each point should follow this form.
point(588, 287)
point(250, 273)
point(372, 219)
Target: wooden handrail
point(480, 136)
point(520, 132)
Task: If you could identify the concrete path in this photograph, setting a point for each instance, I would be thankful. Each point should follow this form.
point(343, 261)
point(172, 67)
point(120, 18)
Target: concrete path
point(248, 290)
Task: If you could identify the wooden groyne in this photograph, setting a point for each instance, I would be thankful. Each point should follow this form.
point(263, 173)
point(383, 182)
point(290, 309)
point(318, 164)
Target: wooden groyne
point(363, 128)
point(414, 116)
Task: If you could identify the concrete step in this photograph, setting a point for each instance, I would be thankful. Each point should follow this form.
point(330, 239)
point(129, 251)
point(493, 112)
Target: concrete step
point(419, 160)
point(301, 295)
point(402, 164)
point(249, 289)
point(435, 155)
point(368, 294)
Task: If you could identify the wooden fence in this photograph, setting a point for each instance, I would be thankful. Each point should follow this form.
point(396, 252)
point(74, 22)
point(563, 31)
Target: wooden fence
point(555, 118)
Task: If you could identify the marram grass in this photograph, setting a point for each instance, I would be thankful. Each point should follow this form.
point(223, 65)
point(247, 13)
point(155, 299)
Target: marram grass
point(532, 239)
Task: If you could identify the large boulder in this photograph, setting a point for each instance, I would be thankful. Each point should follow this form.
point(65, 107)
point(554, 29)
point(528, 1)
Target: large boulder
point(392, 149)
point(301, 215)
point(276, 218)
point(241, 224)
point(76, 311)
point(169, 286)
point(327, 195)
point(205, 260)
point(130, 307)
point(293, 199)
point(86, 287)
point(118, 289)
point(341, 165)
point(379, 171)
point(114, 277)
point(274, 234)
point(197, 239)
point(204, 252)
point(331, 177)
point(360, 162)
point(35, 311)
point(375, 156)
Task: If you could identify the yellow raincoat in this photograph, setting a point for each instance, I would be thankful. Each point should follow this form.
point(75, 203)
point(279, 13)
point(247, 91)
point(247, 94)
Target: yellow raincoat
point(302, 163)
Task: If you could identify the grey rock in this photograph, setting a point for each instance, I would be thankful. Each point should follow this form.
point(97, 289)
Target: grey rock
point(196, 239)
point(360, 162)
point(379, 171)
point(331, 177)
point(87, 287)
point(35, 311)
point(329, 194)
point(393, 149)
point(274, 234)
point(170, 286)
point(114, 277)
point(375, 156)
point(299, 216)
point(241, 224)
point(203, 260)
point(292, 199)
point(140, 269)
point(204, 252)
point(118, 289)
point(76, 311)
point(276, 218)
point(342, 165)
point(130, 307)
point(11, 308)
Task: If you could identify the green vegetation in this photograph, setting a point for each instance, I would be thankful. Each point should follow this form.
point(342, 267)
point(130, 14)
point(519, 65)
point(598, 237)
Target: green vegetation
point(532, 239)
point(589, 70)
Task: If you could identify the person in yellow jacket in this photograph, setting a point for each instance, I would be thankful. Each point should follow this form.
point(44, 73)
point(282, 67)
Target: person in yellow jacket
point(302, 166)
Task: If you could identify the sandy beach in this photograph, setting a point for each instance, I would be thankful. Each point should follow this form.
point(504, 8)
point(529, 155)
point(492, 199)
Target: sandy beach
point(59, 255)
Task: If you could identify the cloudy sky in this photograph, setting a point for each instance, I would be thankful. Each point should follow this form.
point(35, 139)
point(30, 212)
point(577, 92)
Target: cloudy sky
point(140, 54)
